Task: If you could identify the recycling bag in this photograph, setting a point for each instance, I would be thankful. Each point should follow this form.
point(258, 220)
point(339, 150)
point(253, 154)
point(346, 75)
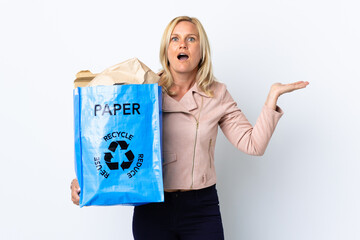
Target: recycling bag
point(118, 144)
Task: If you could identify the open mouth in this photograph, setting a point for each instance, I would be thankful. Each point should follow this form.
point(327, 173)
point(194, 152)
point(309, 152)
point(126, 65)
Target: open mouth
point(182, 57)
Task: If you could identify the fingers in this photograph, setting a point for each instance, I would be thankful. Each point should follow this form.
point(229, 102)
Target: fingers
point(294, 86)
point(75, 191)
point(277, 89)
point(300, 84)
point(75, 198)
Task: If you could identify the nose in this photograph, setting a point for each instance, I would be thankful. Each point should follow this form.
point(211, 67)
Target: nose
point(183, 44)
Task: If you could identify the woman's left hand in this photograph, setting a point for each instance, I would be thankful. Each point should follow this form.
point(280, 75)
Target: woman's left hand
point(277, 89)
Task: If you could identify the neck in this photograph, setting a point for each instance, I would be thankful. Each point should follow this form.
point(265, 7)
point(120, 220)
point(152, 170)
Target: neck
point(183, 81)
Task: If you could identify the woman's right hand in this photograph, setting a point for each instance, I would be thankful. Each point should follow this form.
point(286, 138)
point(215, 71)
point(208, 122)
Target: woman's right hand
point(75, 191)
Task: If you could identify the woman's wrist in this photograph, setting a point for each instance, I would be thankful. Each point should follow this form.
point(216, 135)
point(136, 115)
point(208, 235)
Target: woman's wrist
point(271, 100)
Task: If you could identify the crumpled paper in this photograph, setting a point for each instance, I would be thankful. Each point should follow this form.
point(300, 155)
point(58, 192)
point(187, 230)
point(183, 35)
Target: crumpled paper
point(132, 71)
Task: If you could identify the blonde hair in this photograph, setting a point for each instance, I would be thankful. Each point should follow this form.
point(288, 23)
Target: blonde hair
point(204, 76)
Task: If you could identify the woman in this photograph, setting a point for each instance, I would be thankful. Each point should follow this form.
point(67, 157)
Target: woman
point(194, 105)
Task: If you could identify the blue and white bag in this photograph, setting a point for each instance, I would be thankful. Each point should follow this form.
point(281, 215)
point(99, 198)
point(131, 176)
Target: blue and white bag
point(118, 144)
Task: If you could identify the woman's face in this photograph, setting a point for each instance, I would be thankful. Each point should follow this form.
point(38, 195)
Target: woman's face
point(184, 52)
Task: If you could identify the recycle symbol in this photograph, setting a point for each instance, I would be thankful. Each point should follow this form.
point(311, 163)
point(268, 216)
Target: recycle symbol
point(115, 165)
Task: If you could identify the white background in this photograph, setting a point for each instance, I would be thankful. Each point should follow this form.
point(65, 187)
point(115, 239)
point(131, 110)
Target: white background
point(306, 186)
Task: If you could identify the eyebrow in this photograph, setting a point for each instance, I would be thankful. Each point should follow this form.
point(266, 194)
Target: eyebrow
point(176, 34)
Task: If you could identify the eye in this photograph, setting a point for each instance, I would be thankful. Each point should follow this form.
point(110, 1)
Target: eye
point(191, 39)
point(174, 39)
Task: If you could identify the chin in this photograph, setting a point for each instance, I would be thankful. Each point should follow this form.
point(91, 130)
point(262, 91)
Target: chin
point(183, 69)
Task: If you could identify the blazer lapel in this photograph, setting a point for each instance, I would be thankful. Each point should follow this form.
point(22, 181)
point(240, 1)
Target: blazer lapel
point(171, 105)
point(186, 104)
